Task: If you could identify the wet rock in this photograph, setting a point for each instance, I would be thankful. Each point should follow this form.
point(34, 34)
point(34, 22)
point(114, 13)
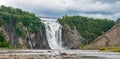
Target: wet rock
point(63, 53)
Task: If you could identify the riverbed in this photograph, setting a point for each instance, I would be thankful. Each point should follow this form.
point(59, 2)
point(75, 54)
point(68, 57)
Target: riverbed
point(58, 54)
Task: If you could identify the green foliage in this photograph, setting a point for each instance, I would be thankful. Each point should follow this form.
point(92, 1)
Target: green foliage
point(113, 49)
point(116, 50)
point(1, 22)
point(103, 49)
point(1, 37)
point(15, 19)
point(20, 19)
point(19, 31)
point(3, 42)
point(89, 28)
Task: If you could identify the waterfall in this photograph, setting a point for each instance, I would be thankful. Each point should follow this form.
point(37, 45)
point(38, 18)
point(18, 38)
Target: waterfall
point(29, 39)
point(53, 33)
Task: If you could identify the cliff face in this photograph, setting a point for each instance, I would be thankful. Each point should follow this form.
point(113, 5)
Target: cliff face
point(37, 39)
point(71, 37)
point(89, 28)
point(40, 41)
point(109, 39)
point(21, 29)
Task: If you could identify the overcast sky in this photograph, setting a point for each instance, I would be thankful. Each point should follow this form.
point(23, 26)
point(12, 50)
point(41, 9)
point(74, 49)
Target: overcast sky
point(57, 8)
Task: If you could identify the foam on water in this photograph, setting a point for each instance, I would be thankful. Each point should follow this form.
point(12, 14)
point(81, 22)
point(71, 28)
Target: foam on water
point(53, 33)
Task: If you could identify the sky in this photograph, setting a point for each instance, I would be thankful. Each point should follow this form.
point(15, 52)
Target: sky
point(109, 9)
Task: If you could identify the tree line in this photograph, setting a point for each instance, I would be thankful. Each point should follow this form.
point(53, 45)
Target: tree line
point(89, 28)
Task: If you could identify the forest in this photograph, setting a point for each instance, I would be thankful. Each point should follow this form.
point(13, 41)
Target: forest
point(89, 28)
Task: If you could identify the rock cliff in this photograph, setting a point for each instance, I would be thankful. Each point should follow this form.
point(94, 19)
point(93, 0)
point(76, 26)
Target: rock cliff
point(81, 31)
point(71, 37)
point(21, 29)
point(37, 39)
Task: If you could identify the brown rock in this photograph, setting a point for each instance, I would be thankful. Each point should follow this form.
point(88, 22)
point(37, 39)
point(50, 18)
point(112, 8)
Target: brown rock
point(71, 37)
point(109, 39)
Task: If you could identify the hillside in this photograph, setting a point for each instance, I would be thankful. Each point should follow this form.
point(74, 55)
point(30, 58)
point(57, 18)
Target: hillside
point(89, 29)
point(20, 29)
point(110, 39)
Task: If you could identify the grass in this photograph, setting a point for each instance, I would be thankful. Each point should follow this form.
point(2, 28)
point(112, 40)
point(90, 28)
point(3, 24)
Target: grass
point(113, 49)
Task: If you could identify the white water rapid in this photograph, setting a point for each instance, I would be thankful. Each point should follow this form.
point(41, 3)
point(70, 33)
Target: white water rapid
point(53, 33)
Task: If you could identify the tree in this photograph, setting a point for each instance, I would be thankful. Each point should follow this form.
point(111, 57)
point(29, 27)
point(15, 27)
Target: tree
point(89, 28)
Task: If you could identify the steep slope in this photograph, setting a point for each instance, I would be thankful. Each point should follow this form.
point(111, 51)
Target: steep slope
point(71, 38)
point(22, 29)
point(109, 39)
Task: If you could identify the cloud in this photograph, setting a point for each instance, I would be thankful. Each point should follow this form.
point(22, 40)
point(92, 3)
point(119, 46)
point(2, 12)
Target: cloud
point(108, 1)
point(2, 2)
point(57, 8)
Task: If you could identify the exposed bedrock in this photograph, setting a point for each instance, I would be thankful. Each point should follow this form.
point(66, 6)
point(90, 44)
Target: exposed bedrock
point(71, 37)
point(109, 39)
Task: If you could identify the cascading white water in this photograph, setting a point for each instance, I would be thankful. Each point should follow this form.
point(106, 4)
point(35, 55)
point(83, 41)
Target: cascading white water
point(53, 33)
point(29, 41)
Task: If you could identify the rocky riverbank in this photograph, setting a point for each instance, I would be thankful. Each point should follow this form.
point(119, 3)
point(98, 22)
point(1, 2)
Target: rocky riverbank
point(57, 54)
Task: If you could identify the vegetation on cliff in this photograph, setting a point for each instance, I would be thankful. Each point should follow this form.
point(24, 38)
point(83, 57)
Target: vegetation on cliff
point(18, 21)
point(3, 42)
point(89, 28)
